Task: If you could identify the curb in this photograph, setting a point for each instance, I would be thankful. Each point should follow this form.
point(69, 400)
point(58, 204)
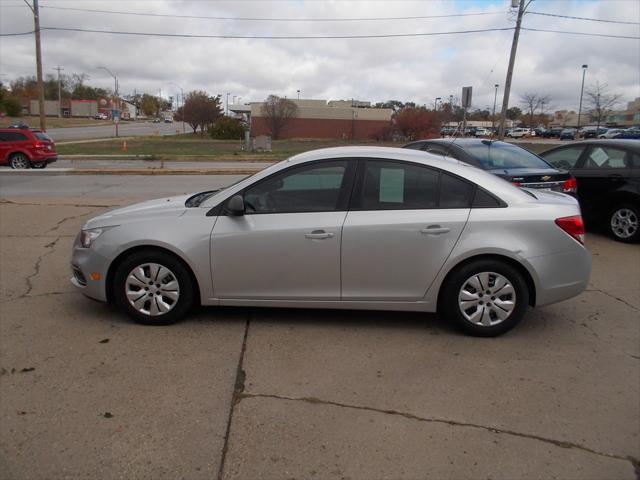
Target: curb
point(134, 171)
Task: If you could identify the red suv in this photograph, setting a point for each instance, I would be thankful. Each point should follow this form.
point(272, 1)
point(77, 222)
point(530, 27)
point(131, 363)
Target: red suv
point(26, 148)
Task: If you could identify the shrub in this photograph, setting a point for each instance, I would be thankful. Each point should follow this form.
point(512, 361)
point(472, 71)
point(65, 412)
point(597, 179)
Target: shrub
point(12, 107)
point(227, 128)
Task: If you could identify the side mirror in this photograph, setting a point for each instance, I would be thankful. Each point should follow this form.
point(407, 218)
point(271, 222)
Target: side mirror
point(235, 206)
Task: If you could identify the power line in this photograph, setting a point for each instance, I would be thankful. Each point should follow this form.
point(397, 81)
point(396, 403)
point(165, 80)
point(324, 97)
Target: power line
point(261, 19)
point(262, 37)
point(316, 37)
point(605, 35)
point(583, 18)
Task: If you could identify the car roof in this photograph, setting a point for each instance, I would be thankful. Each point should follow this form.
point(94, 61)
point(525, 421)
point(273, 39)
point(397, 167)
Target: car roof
point(627, 143)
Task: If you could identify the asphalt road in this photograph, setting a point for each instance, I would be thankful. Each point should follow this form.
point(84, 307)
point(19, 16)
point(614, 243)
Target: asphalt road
point(271, 394)
point(125, 129)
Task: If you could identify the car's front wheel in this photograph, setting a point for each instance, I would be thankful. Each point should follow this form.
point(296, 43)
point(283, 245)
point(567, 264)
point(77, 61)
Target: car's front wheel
point(624, 222)
point(154, 288)
point(485, 298)
point(19, 161)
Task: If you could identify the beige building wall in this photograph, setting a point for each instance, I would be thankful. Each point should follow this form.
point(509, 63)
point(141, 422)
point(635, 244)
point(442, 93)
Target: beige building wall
point(320, 109)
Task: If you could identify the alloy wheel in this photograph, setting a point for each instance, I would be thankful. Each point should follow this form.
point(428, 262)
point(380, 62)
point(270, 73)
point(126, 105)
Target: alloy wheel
point(19, 161)
point(152, 289)
point(487, 299)
point(624, 223)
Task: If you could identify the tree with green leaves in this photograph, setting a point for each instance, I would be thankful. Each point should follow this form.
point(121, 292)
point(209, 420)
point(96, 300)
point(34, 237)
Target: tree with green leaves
point(199, 110)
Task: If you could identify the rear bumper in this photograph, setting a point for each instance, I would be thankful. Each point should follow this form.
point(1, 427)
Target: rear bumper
point(561, 275)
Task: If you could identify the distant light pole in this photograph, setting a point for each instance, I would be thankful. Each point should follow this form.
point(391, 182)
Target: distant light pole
point(493, 118)
point(435, 103)
point(228, 93)
point(115, 93)
point(298, 94)
point(182, 97)
point(584, 71)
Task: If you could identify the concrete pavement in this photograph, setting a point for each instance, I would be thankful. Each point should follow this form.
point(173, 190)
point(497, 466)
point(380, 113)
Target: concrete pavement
point(250, 393)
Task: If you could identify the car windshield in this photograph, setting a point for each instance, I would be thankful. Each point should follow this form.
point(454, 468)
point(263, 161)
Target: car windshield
point(494, 156)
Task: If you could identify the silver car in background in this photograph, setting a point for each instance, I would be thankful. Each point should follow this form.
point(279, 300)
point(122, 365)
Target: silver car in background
point(351, 227)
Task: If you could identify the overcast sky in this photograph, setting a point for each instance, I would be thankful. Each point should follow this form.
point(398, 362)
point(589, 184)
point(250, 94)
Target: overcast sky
point(416, 68)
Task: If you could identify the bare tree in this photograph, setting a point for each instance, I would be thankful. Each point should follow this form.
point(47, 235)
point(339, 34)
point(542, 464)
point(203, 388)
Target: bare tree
point(600, 101)
point(532, 102)
point(278, 113)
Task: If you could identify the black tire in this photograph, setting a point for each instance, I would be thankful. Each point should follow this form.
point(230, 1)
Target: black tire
point(449, 300)
point(628, 232)
point(179, 272)
point(19, 161)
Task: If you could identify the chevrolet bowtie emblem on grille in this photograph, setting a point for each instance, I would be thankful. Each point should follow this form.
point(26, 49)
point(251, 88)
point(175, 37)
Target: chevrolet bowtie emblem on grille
point(545, 178)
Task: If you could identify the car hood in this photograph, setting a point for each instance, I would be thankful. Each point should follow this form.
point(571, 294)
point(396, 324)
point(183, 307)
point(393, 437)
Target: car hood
point(160, 208)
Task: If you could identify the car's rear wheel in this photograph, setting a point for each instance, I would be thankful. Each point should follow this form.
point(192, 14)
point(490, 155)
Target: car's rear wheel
point(19, 161)
point(154, 288)
point(485, 298)
point(624, 222)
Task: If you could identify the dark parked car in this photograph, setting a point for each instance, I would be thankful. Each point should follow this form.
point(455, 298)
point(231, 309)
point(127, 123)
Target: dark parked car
point(568, 134)
point(608, 172)
point(588, 132)
point(22, 147)
point(630, 133)
point(515, 164)
point(552, 132)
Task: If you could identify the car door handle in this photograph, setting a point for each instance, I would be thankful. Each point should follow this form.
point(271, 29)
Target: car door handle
point(318, 235)
point(435, 230)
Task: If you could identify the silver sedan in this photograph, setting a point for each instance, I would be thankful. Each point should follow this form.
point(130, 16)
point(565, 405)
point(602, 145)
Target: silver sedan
point(353, 227)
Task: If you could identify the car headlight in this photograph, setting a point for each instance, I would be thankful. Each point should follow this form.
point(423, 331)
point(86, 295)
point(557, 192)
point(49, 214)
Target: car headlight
point(88, 236)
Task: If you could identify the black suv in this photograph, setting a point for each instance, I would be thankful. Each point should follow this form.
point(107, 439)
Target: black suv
point(515, 164)
point(608, 172)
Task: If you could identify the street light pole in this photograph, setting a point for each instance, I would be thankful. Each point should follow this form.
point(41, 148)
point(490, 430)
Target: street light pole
point(584, 71)
point(228, 93)
point(493, 118)
point(298, 94)
point(182, 97)
point(115, 93)
point(435, 103)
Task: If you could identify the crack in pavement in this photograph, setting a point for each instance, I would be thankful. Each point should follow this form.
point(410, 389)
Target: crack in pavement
point(50, 247)
point(72, 217)
point(594, 317)
point(604, 292)
point(238, 390)
point(501, 431)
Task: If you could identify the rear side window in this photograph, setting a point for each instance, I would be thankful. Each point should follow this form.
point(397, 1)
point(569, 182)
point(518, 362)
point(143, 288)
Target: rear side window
point(455, 192)
point(564, 157)
point(13, 137)
point(484, 199)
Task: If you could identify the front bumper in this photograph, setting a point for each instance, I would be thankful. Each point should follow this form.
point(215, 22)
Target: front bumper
point(89, 272)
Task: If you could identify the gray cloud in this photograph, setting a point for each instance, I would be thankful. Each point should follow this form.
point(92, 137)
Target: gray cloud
point(412, 69)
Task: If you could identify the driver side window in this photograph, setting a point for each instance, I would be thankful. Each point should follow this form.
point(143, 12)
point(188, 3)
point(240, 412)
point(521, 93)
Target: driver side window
point(311, 188)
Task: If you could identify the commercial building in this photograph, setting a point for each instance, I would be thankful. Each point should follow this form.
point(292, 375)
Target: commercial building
point(625, 118)
point(345, 119)
point(70, 108)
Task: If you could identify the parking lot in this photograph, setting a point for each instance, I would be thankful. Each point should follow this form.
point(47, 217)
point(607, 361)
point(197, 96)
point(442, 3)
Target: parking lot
point(268, 393)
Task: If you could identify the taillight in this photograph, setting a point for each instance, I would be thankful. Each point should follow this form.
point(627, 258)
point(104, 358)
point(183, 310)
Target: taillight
point(515, 184)
point(573, 226)
point(570, 185)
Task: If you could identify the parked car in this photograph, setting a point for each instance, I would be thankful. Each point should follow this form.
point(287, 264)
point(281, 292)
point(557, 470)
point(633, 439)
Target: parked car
point(540, 132)
point(611, 133)
point(25, 148)
point(101, 116)
point(156, 120)
point(593, 132)
point(553, 132)
point(506, 160)
point(608, 172)
point(519, 133)
point(168, 120)
point(630, 133)
point(350, 227)
point(483, 132)
point(568, 134)
point(447, 131)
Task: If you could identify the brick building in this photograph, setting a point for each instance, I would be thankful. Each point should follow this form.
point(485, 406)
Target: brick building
point(322, 119)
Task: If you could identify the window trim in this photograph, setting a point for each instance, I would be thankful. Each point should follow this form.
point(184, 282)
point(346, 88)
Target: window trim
point(344, 195)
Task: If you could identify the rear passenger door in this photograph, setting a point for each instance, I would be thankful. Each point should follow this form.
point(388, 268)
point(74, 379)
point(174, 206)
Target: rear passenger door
point(405, 218)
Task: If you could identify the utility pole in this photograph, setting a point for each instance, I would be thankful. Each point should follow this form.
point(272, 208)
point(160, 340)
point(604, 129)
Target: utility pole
point(59, 91)
point(512, 61)
point(36, 22)
point(584, 70)
point(493, 117)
